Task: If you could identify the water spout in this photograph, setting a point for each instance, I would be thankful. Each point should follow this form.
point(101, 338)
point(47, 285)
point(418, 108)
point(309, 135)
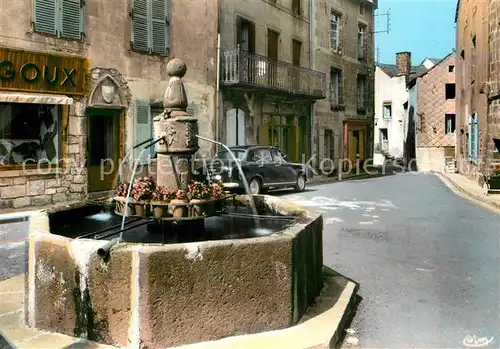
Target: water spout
point(240, 171)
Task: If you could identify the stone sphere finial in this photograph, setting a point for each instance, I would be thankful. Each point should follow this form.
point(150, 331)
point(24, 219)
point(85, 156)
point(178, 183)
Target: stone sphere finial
point(176, 67)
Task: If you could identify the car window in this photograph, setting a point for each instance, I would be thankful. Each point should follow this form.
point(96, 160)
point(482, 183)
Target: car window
point(225, 155)
point(262, 156)
point(277, 155)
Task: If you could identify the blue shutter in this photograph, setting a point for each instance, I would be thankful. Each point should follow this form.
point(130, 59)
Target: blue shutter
point(469, 140)
point(159, 26)
point(143, 130)
point(72, 19)
point(46, 17)
point(140, 25)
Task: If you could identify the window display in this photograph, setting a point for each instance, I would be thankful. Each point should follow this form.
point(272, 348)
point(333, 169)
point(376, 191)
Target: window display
point(29, 133)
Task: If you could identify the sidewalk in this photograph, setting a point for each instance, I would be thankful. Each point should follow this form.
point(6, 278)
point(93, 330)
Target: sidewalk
point(471, 189)
point(323, 179)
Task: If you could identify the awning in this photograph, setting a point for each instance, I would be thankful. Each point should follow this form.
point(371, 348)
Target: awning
point(20, 97)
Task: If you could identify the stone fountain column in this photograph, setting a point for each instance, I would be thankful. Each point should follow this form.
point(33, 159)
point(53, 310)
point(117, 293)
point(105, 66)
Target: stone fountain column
point(179, 130)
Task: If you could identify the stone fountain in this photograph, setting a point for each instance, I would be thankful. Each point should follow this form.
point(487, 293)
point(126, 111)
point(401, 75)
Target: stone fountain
point(146, 292)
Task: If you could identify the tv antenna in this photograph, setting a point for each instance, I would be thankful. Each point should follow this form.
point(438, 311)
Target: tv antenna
point(387, 16)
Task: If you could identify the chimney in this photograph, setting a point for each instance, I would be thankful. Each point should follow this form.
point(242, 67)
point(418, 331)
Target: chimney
point(403, 63)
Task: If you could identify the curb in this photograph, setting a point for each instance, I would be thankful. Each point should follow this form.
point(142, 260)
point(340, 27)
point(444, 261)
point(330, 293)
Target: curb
point(493, 205)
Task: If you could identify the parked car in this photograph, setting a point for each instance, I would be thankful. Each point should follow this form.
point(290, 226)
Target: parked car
point(264, 168)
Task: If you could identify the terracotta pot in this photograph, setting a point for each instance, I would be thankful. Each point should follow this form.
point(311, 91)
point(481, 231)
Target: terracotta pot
point(178, 208)
point(140, 209)
point(120, 206)
point(159, 210)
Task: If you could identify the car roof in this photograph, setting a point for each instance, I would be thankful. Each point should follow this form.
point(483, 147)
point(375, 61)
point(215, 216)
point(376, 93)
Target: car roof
point(246, 147)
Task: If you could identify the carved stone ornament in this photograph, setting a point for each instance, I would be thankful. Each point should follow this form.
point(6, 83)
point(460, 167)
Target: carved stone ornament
point(175, 97)
point(170, 135)
point(108, 92)
point(191, 131)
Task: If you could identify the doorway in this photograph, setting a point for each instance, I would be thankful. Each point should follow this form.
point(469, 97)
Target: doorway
point(235, 127)
point(103, 149)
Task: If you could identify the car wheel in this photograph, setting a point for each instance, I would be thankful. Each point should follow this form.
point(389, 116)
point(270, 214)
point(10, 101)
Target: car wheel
point(300, 185)
point(255, 186)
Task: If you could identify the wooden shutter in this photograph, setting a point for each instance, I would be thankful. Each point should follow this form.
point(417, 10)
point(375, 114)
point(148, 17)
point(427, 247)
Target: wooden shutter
point(143, 130)
point(46, 16)
point(159, 26)
point(140, 25)
point(72, 19)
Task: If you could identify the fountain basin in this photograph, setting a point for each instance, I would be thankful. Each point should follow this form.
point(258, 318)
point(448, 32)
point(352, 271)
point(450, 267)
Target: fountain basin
point(151, 295)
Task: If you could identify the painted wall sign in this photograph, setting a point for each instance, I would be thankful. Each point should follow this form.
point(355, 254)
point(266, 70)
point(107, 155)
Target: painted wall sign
point(41, 72)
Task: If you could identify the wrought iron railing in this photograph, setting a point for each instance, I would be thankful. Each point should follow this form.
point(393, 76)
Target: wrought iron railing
point(240, 67)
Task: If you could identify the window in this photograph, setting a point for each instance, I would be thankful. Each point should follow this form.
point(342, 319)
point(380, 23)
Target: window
point(387, 110)
point(334, 31)
point(261, 156)
point(362, 47)
point(278, 156)
point(296, 7)
point(335, 87)
point(329, 144)
point(450, 91)
point(384, 139)
point(150, 26)
point(451, 68)
point(61, 18)
point(361, 92)
point(449, 120)
point(29, 134)
point(245, 34)
point(473, 139)
point(362, 7)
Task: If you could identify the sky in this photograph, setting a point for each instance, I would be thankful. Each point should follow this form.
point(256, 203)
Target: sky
point(426, 28)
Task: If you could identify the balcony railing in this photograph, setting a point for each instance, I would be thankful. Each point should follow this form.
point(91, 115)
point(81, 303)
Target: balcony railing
point(243, 68)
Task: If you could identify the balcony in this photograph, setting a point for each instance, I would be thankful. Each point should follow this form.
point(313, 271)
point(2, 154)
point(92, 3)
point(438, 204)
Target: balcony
point(251, 71)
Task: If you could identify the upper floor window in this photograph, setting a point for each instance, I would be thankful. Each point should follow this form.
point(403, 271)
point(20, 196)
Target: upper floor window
point(62, 18)
point(362, 41)
point(335, 87)
point(450, 91)
point(150, 26)
point(334, 31)
point(449, 120)
point(362, 93)
point(362, 7)
point(387, 110)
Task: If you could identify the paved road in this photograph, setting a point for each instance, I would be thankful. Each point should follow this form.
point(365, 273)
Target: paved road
point(13, 256)
point(426, 259)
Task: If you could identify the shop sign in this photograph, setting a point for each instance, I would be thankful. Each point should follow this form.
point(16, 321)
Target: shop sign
point(41, 72)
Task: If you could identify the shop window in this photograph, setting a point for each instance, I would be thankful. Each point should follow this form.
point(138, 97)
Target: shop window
point(62, 18)
point(150, 26)
point(29, 134)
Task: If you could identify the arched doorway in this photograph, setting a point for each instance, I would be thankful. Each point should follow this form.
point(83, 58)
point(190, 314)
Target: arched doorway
point(235, 127)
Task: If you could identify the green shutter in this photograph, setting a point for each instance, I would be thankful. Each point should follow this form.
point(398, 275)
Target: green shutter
point(72, 19)
point(159, 30)
point(46, 16)
point(140, 25)
point(143, 130)
point(469, 139)
point(476, 135)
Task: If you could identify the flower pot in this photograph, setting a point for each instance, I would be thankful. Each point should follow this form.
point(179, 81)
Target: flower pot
point(159, 210)
point(197, 209)
point(178, 208)
point(120, 206)
point(140, 209)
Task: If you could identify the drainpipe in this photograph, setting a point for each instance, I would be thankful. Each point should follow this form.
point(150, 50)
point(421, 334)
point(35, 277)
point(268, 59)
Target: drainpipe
point(312, 65)
point(218, 95)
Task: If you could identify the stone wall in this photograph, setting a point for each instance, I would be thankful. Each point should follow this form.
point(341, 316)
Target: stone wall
point(493, 127)
point(471, 74)
point(347, 62)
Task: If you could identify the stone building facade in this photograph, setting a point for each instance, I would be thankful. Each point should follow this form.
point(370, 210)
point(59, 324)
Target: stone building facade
point(117, 55)
point(344, 42)
point(268, 84)
point(475, 51)
point(432, 101)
